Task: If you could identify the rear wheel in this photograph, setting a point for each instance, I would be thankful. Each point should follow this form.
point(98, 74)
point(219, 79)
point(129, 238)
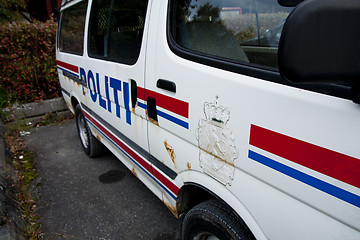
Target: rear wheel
point(91, 145)
point(213, 220)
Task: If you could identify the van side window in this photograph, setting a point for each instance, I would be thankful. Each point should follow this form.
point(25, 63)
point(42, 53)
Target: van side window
point(243, 30)
point(71, 38)
point(116, 30)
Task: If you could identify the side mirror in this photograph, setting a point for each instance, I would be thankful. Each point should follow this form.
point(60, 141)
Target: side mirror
point(289, 3)
point(320, 43)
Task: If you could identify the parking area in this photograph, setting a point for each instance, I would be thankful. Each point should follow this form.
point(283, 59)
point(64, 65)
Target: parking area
point(84, 198)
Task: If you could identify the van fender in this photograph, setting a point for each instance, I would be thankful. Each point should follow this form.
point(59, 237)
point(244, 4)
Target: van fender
point(73, 95)
point(218, 190)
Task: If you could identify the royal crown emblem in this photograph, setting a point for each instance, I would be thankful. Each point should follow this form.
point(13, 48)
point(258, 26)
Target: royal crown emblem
point(216, 143)
point(216, 113)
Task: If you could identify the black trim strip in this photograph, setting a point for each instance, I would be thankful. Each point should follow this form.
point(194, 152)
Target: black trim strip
point(165, 169)
point(72, 77)
point(66, 92)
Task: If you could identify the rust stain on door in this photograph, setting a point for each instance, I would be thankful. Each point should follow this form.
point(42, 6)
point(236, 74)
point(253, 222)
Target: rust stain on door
point(150, 119)
point(98, 137)
point(188, 165)
point(170, 151)
point(134, 172)
point(171, 208)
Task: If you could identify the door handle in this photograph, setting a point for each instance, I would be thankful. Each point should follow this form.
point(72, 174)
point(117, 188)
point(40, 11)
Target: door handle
point(166, 85)
point(133, 93)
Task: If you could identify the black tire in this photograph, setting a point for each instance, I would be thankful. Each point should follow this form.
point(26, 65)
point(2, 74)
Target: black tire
point(213, 219)
point(91, 145)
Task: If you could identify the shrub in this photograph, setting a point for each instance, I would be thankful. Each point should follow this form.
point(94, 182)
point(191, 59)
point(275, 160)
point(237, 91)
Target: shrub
point(10, 10)
point(245, 27)
point(27, 61)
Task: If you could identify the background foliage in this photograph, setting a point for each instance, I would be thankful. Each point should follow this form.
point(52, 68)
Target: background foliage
point(27, 61)
point(10, 10)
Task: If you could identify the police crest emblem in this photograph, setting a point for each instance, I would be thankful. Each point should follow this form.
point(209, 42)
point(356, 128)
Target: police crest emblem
point(217, 143)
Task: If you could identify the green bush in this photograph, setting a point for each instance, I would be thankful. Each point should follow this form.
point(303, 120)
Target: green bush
point(27, 61)
point(245, 27)
point(10, 10)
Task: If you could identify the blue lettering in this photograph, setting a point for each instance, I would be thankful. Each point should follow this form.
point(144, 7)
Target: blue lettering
point(127, 102)
point(91, 79)
point(83, 74)
point(107, 93)
point(115, 84)
point(83, 78)
point(101, 100)
point(93, 83)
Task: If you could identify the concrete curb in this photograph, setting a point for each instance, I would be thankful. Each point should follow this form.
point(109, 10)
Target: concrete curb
point(33, 111)
point(30, 110)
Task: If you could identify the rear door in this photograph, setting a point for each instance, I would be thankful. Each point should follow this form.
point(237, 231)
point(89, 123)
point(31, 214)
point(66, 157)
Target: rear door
point(70, 47)
point(115, 64)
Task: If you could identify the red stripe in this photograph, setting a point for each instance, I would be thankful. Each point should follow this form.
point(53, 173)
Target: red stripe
point(146, 165)
point(68, 66)
point(136, 157)
point(328, 162)
point(166, 182)
point(141, 93)
point(172, 104)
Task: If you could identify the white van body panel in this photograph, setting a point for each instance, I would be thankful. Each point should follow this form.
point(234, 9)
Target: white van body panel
point(265, 104)
point(248, 141)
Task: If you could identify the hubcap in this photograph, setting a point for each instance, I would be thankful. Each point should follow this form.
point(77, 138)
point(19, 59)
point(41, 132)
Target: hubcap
point(205, 236)
point(83, 131)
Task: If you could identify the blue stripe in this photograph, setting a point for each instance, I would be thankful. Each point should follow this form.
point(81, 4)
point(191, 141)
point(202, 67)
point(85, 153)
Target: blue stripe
point(134, 161)
point(307, 179)
point(173, 119)
point(142, 105)
point(168, 117)
point(68, 71)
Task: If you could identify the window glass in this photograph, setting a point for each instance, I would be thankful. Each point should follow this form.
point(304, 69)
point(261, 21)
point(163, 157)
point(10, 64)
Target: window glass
point(240, 30)
point(99, 21)
point(116, 29)
point(72, 29)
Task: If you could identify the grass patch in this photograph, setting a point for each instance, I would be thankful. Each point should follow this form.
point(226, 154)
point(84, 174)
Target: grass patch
point(25, 173)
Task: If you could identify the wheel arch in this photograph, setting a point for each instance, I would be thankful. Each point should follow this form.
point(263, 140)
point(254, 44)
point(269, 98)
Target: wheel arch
point(74, 101)
point(202, 188)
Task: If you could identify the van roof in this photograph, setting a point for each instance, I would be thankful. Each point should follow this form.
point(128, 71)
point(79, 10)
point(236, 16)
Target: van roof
point(68, 2)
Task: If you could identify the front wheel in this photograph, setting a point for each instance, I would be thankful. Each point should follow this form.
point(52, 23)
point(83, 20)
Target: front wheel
point(91, 145)
point(213, 220)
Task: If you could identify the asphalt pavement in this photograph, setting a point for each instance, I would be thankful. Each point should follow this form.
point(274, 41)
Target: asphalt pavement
point(85, 198)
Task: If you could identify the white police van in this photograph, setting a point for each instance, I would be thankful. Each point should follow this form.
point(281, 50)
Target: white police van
point(242, 116)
